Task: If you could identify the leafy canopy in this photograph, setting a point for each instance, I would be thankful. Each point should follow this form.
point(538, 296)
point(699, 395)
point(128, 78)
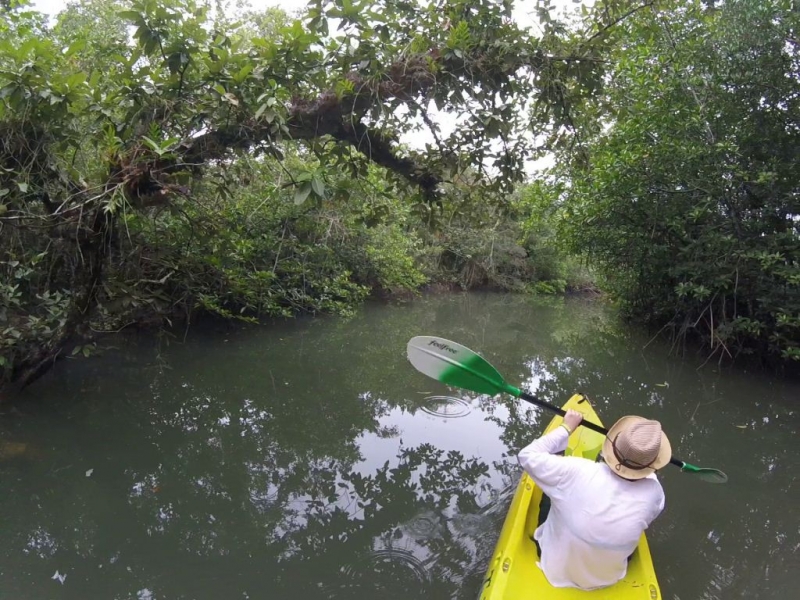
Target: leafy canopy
point(681, 180)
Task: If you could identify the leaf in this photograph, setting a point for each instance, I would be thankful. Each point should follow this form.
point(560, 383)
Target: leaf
point(176, 61)
point(318, 186)
point(130, 15)
point(169, 143)
point(76, 79)
point(23, 187)
point(153, 145)
point(243, 73)
point(76, 46)
point(89, 472)
point(742, 426)
point(302, 193)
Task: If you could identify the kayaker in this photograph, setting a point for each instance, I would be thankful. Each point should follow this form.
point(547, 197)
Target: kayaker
point(598, 510)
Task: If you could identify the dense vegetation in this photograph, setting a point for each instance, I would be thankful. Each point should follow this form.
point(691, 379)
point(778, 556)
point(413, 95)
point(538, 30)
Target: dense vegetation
point(681, 180)
point(160, 158)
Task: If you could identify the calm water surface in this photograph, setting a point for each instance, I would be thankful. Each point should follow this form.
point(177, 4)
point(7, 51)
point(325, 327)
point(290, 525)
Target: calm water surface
point(308, 459)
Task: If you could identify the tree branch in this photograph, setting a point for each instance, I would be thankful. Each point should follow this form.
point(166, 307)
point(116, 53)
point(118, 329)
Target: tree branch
point(339, 118)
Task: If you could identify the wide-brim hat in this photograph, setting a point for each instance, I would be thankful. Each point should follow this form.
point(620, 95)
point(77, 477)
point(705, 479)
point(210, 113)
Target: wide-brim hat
point(641, 447)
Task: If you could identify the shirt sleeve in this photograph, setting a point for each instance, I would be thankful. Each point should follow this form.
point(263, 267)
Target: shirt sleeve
point(539, 460)
point(658, 502)
point(659, 505)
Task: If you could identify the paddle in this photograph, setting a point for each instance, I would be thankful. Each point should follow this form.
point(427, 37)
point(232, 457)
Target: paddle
point(458, 366)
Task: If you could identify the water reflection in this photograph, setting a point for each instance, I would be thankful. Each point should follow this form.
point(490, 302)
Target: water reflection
point(308, 459)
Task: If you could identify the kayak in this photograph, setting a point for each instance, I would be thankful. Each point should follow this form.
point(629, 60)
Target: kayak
point(513, 573)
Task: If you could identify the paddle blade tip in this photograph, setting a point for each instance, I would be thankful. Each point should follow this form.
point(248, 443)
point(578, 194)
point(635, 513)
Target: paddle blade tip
point(715, 477)
point(707, 475)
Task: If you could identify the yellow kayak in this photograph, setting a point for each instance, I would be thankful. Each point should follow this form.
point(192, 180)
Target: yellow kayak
point(512, 572)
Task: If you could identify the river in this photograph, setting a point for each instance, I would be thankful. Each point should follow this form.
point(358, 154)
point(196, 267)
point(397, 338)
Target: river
point(307, 459)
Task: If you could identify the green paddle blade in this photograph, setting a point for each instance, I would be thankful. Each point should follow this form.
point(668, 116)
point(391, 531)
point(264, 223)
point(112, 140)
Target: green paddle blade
point(456, 365)
point(707, 475)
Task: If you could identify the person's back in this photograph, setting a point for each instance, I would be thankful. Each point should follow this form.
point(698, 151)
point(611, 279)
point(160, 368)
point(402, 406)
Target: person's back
point(598, 511)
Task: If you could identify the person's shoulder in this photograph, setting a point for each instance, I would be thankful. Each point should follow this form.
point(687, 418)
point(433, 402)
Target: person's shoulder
point(653, 481)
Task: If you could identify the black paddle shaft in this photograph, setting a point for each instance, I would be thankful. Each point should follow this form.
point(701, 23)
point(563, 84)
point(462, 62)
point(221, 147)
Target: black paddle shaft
point(588, 424)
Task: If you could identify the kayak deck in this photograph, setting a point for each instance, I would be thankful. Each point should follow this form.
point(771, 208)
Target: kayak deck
point(513, 573)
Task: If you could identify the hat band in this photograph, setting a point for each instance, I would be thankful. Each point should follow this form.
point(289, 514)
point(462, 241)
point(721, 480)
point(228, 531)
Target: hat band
point(627, 463)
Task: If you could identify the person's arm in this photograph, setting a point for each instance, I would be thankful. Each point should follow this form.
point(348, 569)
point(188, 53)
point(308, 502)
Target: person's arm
point(539, 460)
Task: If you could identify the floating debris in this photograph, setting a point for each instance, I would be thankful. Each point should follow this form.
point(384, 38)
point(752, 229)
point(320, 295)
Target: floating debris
point(59, 577)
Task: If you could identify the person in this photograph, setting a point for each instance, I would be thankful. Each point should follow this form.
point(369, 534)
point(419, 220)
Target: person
point(598, 510)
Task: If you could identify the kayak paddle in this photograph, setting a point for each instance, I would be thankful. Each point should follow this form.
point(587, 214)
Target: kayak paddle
point(458, 366)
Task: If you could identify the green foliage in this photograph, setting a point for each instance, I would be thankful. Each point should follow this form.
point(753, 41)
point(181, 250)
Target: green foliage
point(489, 257)
point(127, 125)
point(252, 252)
point(682, 183)
point(390, 255)
point(548, 288)
point(23, 331)
point(553, 265)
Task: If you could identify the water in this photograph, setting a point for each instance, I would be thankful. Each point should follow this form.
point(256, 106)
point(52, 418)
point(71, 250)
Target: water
point(308, 459)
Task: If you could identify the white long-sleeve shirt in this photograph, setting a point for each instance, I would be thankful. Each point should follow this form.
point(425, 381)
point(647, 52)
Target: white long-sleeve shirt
point(596, 518)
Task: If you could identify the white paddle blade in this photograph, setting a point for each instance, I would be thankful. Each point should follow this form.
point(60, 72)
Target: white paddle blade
point(454, 364)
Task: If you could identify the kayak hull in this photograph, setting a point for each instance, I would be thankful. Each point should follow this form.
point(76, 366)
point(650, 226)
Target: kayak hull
point(513, 573)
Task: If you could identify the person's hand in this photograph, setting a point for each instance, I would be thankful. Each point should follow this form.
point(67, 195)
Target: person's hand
point(572, 419)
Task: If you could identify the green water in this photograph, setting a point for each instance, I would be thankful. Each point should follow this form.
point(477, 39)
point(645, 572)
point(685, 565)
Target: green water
point(308, 459)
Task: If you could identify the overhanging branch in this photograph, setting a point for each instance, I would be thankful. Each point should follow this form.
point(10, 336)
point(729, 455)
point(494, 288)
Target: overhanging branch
point(339, 117)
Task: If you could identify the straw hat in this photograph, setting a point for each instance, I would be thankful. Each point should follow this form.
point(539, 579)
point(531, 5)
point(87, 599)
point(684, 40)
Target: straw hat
point(636, 447)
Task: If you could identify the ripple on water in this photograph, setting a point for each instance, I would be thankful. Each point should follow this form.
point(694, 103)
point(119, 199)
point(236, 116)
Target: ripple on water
point(426, 525)
point(471, 524)
point(382, 570)
point(446, 407)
